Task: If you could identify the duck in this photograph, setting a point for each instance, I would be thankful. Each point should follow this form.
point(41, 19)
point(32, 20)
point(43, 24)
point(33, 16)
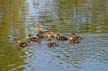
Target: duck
point(21, 44)
point(33, 39)
point(74, 39)
point(60, 37)
point(43, 34)
point(51, 44)
point(40, 32)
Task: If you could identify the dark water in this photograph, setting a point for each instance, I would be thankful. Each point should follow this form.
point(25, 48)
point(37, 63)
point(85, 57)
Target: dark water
point(89, 55)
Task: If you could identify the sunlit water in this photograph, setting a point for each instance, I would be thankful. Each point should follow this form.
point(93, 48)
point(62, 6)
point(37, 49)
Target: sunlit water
point(91, 54)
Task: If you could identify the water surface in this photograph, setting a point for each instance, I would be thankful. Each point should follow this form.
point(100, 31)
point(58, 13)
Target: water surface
point(87, 19)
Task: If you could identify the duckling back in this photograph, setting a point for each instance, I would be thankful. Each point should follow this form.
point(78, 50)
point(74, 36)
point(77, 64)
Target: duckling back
point(41, 34)
point(63, 38)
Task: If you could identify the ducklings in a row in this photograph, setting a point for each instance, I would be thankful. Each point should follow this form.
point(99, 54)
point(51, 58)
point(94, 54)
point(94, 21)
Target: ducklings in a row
point(45, 34)
point(49, 35)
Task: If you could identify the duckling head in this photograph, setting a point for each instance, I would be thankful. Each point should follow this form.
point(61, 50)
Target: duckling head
point(39, 27)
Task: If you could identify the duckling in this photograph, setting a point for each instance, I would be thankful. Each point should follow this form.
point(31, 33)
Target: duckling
point(74, 39)
point(78, 39)
point(43, 34)
point(51, 44)
point(21, 44)
point(33, 39)
point(60, 38)
point(29, 38)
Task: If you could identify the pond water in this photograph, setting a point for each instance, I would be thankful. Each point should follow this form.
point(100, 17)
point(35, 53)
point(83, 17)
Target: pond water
point(91, 54)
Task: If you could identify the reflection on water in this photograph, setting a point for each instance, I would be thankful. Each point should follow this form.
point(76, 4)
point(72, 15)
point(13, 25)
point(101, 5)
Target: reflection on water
point(11, 59)
point(81, 17)
point(89, 54)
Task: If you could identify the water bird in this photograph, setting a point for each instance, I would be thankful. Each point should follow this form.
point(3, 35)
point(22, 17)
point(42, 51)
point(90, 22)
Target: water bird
point(43, 34)
point(51, 44)
point(33, 39)
point(21, 44)
point(74, 39)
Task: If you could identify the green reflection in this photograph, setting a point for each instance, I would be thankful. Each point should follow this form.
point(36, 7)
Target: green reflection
point(81, 16)
point(11, 23)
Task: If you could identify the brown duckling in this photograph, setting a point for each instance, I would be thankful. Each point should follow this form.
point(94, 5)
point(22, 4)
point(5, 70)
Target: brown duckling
point(51, 44)
point(33, 39)
point(78, 39)
point(29, 38)
point(74, 39)
point(60, 38)
point(21, 44)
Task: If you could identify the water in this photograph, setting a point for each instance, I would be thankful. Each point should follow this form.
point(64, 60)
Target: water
point(91, 54)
